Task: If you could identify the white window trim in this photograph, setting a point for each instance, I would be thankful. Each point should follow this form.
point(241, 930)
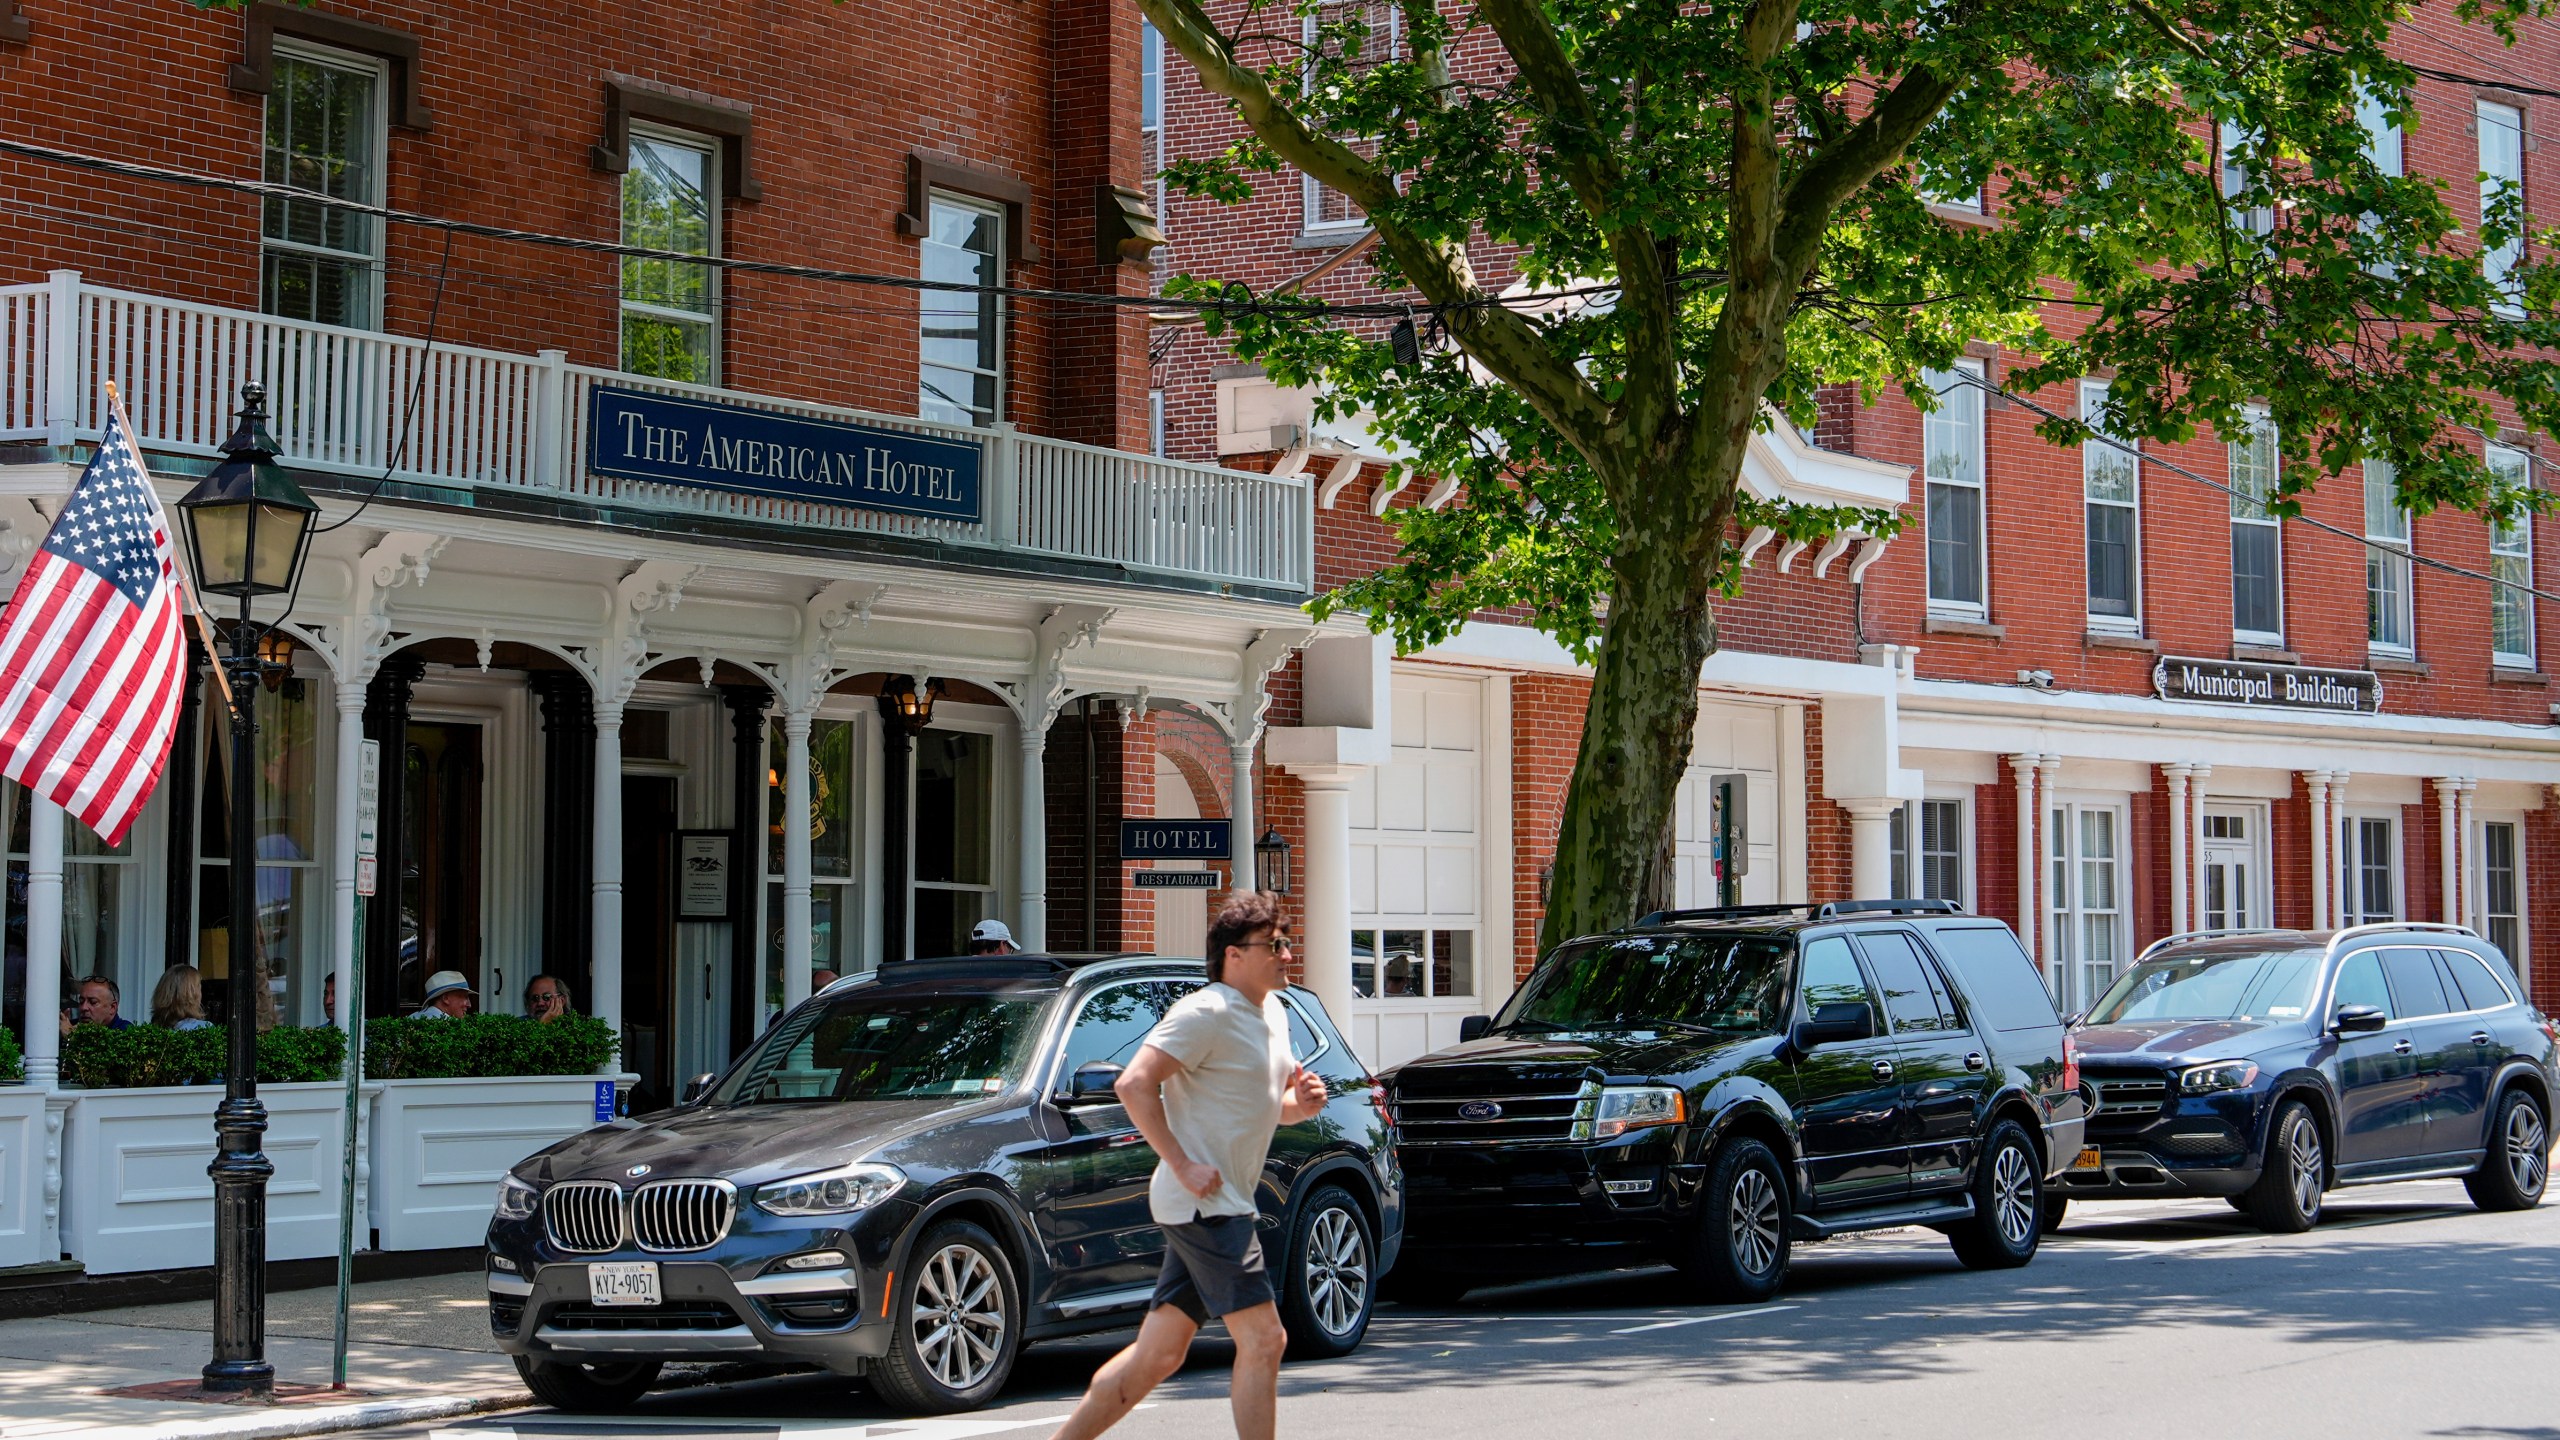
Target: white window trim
point(378, 124)
point(2525, 659)
point(709, 148)
point(1907, 884)
point(2509, 117)
point(1309, 187)
point(1003, 314)
point(2257, 818)
point(1002, 817)
point(2349, 857)
point(2404, 545)
point(2110, 624)
point(2477, 879)
point(1960, 609)
point(2272, 639)
point(2060, 910)
point(2258, 220)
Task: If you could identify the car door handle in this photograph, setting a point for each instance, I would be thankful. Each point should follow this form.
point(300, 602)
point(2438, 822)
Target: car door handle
point(2479, 1037)
point(1974, 1061)
point(2400, 1047)
point(1884, 1069)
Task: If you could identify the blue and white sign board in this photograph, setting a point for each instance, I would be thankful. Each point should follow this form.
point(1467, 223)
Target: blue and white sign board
point(604, 1101)
point(1173, 839)
point(680, 440)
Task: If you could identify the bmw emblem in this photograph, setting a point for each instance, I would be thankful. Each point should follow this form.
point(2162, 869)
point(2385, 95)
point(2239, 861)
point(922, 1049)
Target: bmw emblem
point(1479, 1110)
point(636, 1171)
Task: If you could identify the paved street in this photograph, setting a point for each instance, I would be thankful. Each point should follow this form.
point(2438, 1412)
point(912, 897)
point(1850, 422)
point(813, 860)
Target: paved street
point(2408, 1314)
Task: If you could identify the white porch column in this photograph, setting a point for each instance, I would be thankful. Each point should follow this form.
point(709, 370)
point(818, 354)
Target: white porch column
point(1031, 927)
point(2468, 908)
point(2179, 923)
point(2317, 783)
point(44, 944)
point(605, 895)
point(2448, 849)
point(2336, 918)
point(1324, 912)
point(1871, 874)
point(2030, 931)
point(2195, 837)
point(795, 857)
point(1241, 874)
point(342, 849)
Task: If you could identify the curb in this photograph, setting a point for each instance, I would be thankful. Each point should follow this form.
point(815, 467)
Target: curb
point(282, 1424)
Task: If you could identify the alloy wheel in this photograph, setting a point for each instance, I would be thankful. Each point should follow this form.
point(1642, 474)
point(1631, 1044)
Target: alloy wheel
point(958, 1314)
point(2528, 1155)
point(2302, 1148)
point(1337, 1277)
point(1755, 1221)
point(2013, 1195)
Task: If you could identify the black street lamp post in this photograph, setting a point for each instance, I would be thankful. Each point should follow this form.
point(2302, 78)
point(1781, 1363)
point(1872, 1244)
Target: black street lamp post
point(247, 529)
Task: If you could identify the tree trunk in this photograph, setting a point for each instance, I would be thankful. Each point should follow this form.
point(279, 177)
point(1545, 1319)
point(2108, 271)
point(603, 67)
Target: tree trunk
point(1613, 845)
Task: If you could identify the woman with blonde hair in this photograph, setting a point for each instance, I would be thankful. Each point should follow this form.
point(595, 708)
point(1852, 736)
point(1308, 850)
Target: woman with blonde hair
point(177, 1002)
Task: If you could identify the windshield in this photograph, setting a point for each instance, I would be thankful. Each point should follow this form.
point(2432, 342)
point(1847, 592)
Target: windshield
point(1638, 982)
point(2221, 985)
point(892, 1043)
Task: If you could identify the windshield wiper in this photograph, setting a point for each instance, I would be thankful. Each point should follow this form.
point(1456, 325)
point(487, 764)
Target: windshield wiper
point(1692, 1026)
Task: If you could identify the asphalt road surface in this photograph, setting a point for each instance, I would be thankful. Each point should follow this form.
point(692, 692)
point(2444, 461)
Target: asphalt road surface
point(2406, 1314)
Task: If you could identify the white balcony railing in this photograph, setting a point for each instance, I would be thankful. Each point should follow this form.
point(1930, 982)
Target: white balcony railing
point(486, 419)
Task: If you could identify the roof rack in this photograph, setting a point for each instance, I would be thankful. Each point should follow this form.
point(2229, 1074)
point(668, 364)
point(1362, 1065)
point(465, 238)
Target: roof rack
point(1720, 912)
point(2205, 935)
point(2387, 927)
point(1837, 908)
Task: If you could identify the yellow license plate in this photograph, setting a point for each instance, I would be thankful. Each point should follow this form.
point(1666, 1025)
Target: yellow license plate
point(2087, 1159)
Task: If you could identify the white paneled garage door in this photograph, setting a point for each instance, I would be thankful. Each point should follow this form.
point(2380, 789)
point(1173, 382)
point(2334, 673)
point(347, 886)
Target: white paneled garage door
point(1731, 739)
point(1417, 911)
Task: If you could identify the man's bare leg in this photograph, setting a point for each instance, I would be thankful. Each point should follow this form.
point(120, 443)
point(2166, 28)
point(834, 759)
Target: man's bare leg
point(1164, 1340)
point(1254, 1390)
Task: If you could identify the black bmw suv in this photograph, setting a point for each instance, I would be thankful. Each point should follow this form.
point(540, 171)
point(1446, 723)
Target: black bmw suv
point(2268, 1066)
point(909, 1177)
point(1710, 1087)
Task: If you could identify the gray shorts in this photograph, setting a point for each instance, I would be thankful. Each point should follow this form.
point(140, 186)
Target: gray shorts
point(1212, 1267)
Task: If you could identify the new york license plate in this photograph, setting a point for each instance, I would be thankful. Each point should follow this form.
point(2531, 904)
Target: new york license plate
point(623, 1282)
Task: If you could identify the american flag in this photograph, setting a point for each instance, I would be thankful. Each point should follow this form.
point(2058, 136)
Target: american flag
point(91, 654)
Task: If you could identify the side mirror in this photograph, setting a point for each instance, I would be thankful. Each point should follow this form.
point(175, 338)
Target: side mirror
point(1473, 1027)
point(1092, 1085)
point(699, 1086)
point(2358, 1020)
point(1835, 1024)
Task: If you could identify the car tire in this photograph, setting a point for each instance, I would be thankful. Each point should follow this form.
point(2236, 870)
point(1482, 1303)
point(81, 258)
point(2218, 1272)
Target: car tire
point(1739, 1253)
point(959, 1327)
point(2055, 1207)
point(2513, 1174)
point(2008, 1203)
point(587, 1389)
point(1414, 1283)
point(1330, 1282)
point(2286, 1198)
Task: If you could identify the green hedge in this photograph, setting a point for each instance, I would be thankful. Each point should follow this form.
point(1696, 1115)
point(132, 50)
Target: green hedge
point(97, 1058)
point(406, 1048)
point(13, 1066)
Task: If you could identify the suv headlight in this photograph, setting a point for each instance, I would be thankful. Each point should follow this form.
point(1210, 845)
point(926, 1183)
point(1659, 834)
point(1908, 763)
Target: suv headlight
point(840, 1191)
point(516, 1199)
point(2215, 1075)
point(1621, 1108)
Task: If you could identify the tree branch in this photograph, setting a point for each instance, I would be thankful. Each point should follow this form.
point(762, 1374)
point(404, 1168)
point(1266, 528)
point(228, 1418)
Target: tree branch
point(1843, 167)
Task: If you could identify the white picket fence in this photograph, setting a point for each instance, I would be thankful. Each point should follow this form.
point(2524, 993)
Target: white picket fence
point(341, 400)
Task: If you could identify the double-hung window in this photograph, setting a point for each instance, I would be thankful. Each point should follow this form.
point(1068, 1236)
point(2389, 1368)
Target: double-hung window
point(2511, 565)
point(2388, 626)
point(1951, 438)
point(2086, 895)
point(2502, 887)
point(2382, 146)
point(2257, 220)
point(1151, 109)
point(1937, 871)
point(2111, 480)
point(2368, 869)
point(2257, 543)
point(671, 310)
point(324, 134)
point(2501, 133)
point(961, 377)
point(1331, 24)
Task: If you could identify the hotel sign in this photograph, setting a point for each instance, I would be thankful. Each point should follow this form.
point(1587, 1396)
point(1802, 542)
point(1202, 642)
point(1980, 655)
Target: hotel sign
point(2254, 686)
point(679, 440)
point(1173, 839)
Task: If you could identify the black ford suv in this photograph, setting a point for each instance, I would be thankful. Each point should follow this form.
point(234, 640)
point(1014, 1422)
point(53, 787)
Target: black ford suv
point(1709, 1087)
point(909, 1177)
point(2267, 1066)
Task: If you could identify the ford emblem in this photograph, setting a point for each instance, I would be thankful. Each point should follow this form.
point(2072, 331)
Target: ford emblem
point(636, 1171)
point(1479, 1110)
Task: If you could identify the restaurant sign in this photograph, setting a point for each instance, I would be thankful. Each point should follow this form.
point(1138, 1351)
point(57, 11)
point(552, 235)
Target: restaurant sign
point(681, 440)
point(2256, 686)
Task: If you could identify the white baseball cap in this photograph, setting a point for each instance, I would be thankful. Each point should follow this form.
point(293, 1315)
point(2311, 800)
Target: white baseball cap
point(992, 930)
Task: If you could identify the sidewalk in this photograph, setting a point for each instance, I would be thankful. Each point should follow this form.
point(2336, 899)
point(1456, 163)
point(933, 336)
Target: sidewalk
point(419, 1350)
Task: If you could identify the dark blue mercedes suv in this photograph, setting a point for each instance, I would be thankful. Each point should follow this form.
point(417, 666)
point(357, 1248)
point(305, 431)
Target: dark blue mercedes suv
point(2270, 1066)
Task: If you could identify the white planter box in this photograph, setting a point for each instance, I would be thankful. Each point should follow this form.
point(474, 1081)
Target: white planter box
point(28, 1157)
point(441, 1146)
point(135, 1195)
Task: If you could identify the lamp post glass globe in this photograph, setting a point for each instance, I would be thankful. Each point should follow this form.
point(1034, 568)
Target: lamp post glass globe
point(1271, 861)
point(247, 525)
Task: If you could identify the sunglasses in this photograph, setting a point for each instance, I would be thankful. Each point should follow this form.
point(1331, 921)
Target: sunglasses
point(1281, 946)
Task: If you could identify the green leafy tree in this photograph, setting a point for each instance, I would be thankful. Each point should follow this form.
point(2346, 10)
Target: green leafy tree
point(1728, 205)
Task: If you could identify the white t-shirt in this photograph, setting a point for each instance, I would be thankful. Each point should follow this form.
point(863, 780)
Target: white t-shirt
point(1224, 1103)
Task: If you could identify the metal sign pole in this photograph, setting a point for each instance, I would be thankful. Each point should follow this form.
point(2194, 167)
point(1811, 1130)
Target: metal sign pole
point(368, 810)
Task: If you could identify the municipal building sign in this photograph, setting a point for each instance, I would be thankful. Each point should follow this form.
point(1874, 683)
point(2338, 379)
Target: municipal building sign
point(679, 440)
point(2253, 686)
